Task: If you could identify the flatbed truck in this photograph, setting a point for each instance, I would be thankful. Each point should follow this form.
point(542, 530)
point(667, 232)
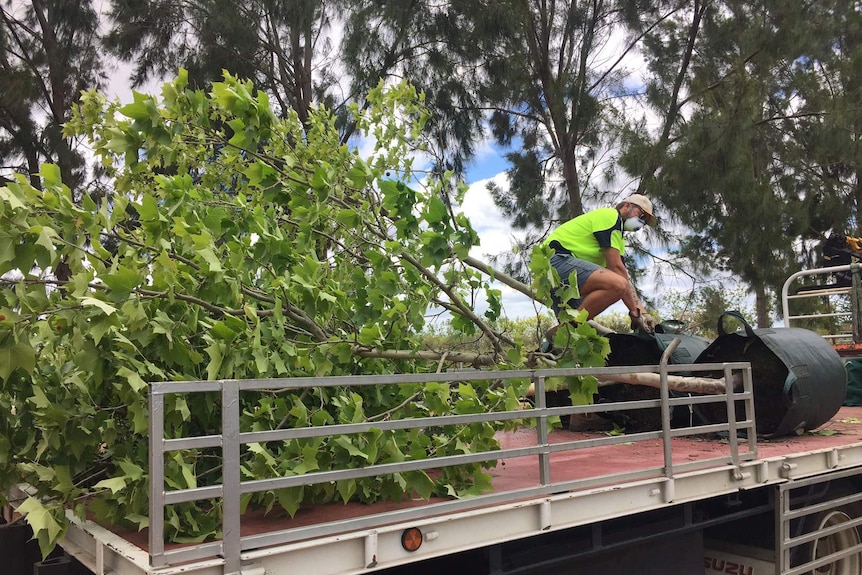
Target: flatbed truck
point(703, 498)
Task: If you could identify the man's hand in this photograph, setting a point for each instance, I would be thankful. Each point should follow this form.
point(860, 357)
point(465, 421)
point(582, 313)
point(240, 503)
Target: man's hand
point(642, 321)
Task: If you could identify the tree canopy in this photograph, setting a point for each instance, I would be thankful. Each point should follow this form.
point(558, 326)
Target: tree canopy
point(587, 101)
point(748, 149)
point(49, 53)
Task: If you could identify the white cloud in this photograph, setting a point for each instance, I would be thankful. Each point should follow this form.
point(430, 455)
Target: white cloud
point(496, 237)
point(480, 207)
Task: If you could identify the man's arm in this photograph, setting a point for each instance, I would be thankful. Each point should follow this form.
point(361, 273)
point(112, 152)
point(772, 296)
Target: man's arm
point(614, 262)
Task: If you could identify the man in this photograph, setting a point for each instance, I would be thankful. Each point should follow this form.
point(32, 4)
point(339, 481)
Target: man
point(592, 245)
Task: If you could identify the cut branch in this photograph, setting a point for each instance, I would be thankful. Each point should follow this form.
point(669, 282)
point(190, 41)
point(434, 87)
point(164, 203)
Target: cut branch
point(474, 359)
point(678, 383)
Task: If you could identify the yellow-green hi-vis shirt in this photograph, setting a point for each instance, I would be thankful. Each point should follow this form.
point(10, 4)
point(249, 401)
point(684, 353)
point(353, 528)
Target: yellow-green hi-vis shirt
point(586, 235)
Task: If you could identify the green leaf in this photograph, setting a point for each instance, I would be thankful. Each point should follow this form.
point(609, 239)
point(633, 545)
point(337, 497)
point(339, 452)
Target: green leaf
point(309, 458)
point(421, 484)
point(44, 523)
point(107, 308)
point(370, 335)
point(239, 137)
point(51, 176)
point(142, 521)
point(132, 377)
point(221, 331)
point(39, 399)
point(182, 407)
point(115, 484)
point(344, 442)
point(16, 356)
point(435, 248)
point(210, 258)
point(46, 238)
point(436, 211)
point(258, 172)
point(136, 111)
point(99, 326)
point(140, 417)
point(148, 209)
point(64, 484)
point(11, 198)
point(261, 450)
point(514, 355)
point(349, 218)
point(290, 499)
point(121, 282)
point(189, 475)
point(216, 352)
point(141, 109)
point(131, 470)
point(225, 96)
point(346, 489)
point(43, 473)
point(261, 360)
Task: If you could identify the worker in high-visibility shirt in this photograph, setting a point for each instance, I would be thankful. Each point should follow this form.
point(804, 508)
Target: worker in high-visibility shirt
point(592, 246)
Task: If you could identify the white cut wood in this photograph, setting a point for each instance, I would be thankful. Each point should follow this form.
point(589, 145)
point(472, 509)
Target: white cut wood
point(678, 383)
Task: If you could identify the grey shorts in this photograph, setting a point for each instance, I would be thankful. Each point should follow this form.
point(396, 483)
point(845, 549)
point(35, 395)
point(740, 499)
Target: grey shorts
point(565, 264)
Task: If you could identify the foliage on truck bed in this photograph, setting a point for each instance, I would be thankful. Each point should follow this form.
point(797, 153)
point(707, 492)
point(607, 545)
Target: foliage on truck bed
point(236, 242)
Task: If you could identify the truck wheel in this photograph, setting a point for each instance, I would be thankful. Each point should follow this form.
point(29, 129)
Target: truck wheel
point(850, 565)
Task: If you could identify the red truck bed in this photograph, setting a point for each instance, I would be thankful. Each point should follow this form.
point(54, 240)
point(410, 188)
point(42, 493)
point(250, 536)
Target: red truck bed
point(844, 429)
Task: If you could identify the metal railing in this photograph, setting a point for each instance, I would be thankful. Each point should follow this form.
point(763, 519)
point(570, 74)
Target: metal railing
point(231, 438)
point(818, 534)
point(845, 299)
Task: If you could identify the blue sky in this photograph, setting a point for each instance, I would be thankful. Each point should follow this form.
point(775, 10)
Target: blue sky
point(488, 163)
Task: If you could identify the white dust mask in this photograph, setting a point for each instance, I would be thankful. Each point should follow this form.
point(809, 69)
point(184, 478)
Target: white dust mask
point(633, 224)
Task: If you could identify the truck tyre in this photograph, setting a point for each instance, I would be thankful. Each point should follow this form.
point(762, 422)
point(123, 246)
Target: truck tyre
point(819, 548)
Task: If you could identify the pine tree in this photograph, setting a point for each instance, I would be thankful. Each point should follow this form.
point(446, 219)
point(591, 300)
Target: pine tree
point(49, 53)
point(751, 169)
point(285, 46)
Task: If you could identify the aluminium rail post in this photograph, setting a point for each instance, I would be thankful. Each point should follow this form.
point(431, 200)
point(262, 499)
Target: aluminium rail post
point(732, 429)
point(542, 432)
point(157, 478)
point(782, 531)
point(748, 405)
point(665, 408)
point(231, 480)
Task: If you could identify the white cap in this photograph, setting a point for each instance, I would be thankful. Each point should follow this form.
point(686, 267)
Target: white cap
point(643, 203)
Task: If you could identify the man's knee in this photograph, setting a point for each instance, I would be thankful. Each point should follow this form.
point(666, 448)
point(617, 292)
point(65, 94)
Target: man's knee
point(605, 280)
point(619, 287)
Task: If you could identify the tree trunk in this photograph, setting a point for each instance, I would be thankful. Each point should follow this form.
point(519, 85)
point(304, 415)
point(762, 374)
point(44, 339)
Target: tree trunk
point(58, 99)
point(573, 186)
point(761, 307)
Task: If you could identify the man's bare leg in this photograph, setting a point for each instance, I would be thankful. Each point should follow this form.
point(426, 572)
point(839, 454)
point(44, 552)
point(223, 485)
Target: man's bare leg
point(601, 290)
